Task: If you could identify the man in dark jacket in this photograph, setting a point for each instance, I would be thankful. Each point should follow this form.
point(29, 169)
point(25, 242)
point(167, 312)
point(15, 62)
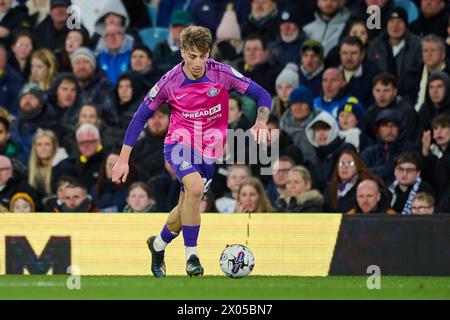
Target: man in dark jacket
point(358, 72)
point(370, 199)
point(379, 158)
point(385, 94)
point(13, 20)
point(256, 63)
point(51, 33)
point(396, 50)
point(433, 18)
point(407, 182)
point(76, 199)
point(10, 84)
point(263, 20)
point(96, 88)
point(142, 61)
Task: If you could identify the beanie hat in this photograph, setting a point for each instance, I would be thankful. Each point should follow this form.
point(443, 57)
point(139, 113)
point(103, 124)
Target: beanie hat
point(303, 95)
point(290, 14)
point(388, 115)
point(289, 75)
point(353, 105)
point(22, 195)
point(33, 88)
point(229, 27)
point(180, 18)
point(399, 13)
point(86, 53)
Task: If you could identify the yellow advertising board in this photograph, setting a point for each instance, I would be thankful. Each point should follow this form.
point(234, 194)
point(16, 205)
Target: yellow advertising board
point(115, 244)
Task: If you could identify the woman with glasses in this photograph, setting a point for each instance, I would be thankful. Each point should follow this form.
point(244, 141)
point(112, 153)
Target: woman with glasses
point(341, 194)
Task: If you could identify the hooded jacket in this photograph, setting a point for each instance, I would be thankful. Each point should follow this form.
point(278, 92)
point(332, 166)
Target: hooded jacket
point(379, 157)
point(267, 27)
point(127, 110)
point(309, 201)
point(436, 25)
point(327, 32)
point(328, 154)
point(430, 110)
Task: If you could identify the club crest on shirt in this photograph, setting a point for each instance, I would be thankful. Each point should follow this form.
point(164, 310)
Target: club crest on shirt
point(153, 92)
point(213, 92)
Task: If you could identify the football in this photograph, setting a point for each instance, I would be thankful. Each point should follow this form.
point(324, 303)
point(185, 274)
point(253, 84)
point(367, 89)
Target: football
point(237, 261)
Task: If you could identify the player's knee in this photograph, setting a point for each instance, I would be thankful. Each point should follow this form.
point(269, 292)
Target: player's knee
point(195, 189)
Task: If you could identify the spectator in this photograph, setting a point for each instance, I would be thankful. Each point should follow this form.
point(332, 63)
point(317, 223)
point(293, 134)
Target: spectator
point(165, 189)
point(129, 92)
point(277, 187)
point(20, 59)
point(407, 182)
point(22, 202)
point(263, 20)
point(52, 31)
point(340, 195)
point(334, 92)
point(13, 19)
point(236, 175)
point(47, 163)
point(228, 45)
point(433, 19)
point(299, 196)
point(422, 204)
point(139, 199)
point(436, 154)
point(11, 183)
point(10, 84)
point(75, 39)
point(143, 63)
point(437, 99)
point(148, 151)
point(113, 13)
point(295, 120)
point(359, 10)
point(390, 143)
point(8, 147)
point(96, 88)
point(34, 114)
point(286, 81)
point(43, 68)
point(167, 53)
point(63, 98)
point(54, 202)
point(330, 19)
point(38, 10)
point(256, 65)
point(252, 197)
point(385, 93)
point(358, 72)
point(208, 13)
point(208, 203)
point(323, 134)
point(370, 200)
point(76, 199)
point(355, 27)
point(311, 68)
point(108, 196)
point(396, 50)
point(433, 55)
point(115, 58)
point(352, 121)
point(290, 37)
point(236, 119)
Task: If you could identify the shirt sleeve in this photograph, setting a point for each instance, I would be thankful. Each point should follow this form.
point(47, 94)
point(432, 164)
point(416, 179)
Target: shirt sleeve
point(259, 94)
point(151, 102)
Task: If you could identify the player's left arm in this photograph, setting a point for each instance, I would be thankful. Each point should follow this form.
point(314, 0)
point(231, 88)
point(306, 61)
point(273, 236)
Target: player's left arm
point(264, 100)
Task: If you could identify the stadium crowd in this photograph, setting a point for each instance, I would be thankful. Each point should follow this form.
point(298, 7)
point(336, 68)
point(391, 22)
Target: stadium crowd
point(363, 114)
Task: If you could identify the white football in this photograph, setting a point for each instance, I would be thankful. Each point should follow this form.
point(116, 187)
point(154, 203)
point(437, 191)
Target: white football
point(237, 261)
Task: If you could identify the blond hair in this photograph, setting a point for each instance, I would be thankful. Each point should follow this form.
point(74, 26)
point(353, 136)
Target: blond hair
point(196, 37)
point(49, 60)
point(40, 172)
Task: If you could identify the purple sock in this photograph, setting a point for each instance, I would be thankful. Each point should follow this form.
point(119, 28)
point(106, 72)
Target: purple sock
point(167, 235)
point(190, 235)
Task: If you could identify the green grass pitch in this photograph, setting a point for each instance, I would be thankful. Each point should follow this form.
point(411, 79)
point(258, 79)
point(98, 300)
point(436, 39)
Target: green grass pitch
point(223, 288)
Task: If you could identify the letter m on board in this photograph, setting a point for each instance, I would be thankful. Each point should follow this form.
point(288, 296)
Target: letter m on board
point(19, 255)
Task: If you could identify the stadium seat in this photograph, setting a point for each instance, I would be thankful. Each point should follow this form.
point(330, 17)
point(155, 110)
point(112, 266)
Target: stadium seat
point(153, 13)
point(153, 36)
point(411, 9)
